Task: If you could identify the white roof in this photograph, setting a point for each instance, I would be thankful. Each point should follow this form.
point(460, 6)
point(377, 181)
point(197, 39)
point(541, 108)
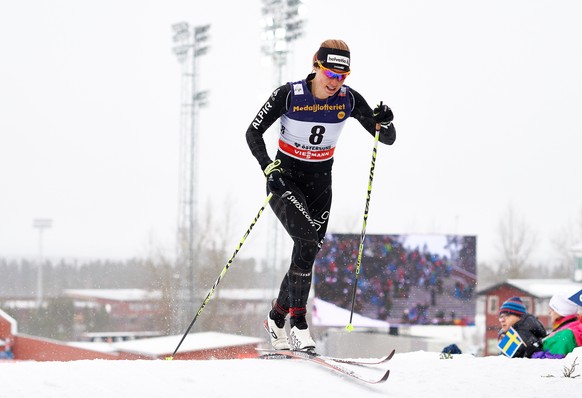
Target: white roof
point(106, 348)
point(141, 294)
point(158, 346)
point(545, 288)
point(116, 294)
point(247, 294)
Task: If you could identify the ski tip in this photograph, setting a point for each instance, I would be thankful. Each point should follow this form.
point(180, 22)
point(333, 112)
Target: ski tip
point(385, 377)
point(169, 358)
point(350, 327)
point(391, 354)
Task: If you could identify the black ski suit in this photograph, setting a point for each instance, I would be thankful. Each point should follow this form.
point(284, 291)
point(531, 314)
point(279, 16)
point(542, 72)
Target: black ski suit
point(309, 131)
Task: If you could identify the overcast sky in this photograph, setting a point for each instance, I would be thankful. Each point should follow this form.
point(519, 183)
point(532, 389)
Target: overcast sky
point(486, 97)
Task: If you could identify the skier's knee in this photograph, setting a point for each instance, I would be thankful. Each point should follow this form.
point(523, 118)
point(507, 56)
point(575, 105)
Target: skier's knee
point(307, 251)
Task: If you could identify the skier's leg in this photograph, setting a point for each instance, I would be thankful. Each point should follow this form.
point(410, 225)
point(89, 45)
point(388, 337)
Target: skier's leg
point(295, 213)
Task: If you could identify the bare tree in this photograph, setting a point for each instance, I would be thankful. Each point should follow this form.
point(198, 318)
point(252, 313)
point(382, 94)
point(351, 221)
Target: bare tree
point(488, 275)
point(216, 240)
point(163, 277)
point(516, 243)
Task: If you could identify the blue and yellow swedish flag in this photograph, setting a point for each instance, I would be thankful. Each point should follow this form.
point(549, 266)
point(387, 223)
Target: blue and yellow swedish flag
point(510, 342)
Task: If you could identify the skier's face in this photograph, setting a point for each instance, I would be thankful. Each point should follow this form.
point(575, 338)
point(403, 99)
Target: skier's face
point(327, 82)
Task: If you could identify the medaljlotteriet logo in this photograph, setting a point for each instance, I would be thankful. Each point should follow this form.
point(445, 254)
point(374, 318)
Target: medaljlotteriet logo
point(341, 115)
point(319, 108)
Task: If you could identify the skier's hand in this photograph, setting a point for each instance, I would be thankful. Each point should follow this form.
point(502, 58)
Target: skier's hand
point(275, 181)
point(383, 114)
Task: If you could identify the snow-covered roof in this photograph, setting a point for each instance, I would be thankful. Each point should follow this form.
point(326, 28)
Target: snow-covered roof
point(159, 346)
point(106, 348)
point(141, 294)
point(165, 345)
point(545, 288)
point(247, 294)
point(21, 304)
point(115, 294)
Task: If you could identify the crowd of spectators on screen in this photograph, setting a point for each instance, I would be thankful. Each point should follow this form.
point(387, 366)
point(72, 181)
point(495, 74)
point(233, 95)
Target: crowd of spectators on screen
point(388, 272)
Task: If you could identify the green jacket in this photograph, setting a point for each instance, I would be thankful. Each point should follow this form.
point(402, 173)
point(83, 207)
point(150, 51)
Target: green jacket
point(562, 342)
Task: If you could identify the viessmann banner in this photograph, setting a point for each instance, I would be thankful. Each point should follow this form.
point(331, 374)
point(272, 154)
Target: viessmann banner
point(404, 279)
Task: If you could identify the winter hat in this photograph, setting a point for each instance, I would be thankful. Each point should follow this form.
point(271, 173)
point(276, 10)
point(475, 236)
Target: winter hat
point(514, 306)
point(451, 349)
point(562, 305)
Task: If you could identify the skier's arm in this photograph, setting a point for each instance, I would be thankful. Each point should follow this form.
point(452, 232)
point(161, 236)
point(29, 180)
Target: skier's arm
point(365, 115)
point(275, 106)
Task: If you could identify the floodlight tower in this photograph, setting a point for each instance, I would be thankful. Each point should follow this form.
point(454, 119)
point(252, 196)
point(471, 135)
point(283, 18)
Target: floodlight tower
point(41, 224)
point(191, 44)
point(282, 25)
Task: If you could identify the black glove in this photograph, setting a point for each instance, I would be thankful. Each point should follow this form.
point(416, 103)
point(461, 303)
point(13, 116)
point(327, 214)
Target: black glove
point(383, 114)
point(275, 181)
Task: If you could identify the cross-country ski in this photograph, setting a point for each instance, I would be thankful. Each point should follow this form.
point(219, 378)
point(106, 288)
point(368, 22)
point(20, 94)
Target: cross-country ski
point(349, 361)
point(335, 365)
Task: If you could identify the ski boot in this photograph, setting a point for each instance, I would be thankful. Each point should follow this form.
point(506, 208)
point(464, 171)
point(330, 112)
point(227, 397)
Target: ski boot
point(276, 329)
point(300, 338)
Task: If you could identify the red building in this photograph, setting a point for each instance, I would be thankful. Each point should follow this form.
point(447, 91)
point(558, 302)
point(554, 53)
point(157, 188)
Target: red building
point(209, 345)
point(127, 310)
point(535, 294)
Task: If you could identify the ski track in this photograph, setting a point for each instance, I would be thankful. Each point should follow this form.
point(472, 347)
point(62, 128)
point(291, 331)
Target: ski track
point(413, 374)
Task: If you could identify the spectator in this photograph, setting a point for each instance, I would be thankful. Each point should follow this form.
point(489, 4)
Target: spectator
point(7, 352)
point(566, 331)
point(451, 349)
point(413, 314)
point(513, 314)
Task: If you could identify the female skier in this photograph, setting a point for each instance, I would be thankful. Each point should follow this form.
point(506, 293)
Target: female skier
point(313, 112)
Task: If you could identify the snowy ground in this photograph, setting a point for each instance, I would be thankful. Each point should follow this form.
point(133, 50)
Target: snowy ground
point(416, 374)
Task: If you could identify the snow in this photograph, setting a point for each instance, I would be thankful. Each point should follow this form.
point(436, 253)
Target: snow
point(545, 288)
point(115, 294)
point(164, 345)
point(414, 374)
point(331, 315)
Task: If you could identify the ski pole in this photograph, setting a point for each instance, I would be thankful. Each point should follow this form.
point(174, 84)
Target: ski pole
point(350, 327)
point(222, 273)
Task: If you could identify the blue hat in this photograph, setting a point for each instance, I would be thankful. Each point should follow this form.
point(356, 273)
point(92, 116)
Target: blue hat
point(514, 306)
point(451, 349)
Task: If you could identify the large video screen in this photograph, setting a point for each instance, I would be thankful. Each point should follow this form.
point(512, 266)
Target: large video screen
point(403, 279)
